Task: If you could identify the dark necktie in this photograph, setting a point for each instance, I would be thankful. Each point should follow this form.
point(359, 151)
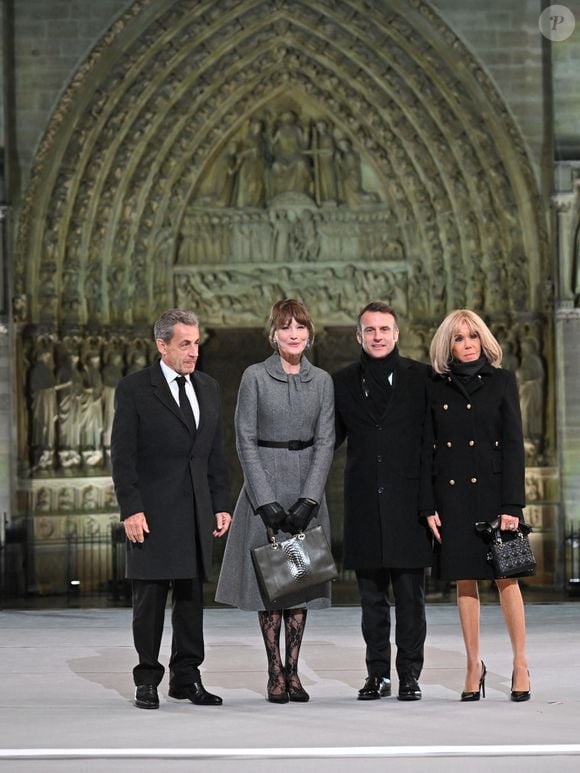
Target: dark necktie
point(184, 403)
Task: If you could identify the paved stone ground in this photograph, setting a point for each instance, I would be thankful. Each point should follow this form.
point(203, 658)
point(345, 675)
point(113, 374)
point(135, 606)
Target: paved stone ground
point(67, 690)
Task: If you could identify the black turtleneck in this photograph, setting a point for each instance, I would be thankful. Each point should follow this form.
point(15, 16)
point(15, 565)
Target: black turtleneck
point(376, 372)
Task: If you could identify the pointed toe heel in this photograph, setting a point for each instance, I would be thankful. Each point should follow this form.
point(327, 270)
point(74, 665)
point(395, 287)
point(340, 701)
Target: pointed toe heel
point(519, 696)
point(475, 695)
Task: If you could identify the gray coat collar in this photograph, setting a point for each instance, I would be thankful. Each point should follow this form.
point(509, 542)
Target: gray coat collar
point(274, 368)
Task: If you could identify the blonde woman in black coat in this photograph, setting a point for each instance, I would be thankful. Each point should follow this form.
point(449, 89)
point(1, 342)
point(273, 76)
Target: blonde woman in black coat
point(478, 475)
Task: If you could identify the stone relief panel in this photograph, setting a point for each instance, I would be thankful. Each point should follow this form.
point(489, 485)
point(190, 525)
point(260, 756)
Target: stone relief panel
point(70, 385)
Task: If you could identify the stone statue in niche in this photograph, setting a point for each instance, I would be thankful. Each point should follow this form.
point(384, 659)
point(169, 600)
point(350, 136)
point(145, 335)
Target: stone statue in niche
point(217, 188)
point(112, 374)
point(91, 420)
point(306, 237)
point(322, 151)
point(290, 171)
point(531, 377)
point(70, 383)
point(66, 499)
point(349, 176)
point(118, 294)
point(93, 290)
point(137, 361)
point(253, 163)
point(43, 409)
point(418, 290)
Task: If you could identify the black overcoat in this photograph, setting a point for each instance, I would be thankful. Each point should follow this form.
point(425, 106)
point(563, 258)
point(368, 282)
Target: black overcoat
point(382, 526)
point(477, 463)
point(177, 477)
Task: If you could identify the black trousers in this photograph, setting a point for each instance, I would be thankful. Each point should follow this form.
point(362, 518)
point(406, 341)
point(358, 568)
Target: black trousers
point(187, 648)
point(408, 587)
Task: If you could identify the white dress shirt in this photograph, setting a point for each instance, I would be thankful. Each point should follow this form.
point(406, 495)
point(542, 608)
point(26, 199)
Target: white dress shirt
point(171, 377)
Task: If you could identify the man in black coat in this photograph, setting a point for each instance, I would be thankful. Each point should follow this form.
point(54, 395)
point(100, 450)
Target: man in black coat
point(381, 409)
point(172, 486)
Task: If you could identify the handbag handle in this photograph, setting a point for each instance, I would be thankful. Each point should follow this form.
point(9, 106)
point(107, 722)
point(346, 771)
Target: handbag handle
point(272, 537)
point(490, 527)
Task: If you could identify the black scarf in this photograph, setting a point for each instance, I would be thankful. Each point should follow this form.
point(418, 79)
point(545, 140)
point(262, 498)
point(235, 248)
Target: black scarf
point(465, 371)
point(375, 374)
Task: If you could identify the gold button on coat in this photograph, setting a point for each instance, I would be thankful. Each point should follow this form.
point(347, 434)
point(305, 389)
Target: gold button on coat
point(445, 407)
point(472, 442)
point(474, 480)
point(452, 482)
point(449, 444)
point(468, 406)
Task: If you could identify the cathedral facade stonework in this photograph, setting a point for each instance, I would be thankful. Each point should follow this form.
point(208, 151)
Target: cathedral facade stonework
point(219, 156)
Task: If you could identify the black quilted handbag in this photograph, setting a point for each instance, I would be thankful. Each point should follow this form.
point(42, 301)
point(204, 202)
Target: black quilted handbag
point(509, 552)
point(293, 565)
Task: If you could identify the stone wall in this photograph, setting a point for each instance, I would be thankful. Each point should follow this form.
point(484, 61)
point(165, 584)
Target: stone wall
point(506, 39)
point(52, 37)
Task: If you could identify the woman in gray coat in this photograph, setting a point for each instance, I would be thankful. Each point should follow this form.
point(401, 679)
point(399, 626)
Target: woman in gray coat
point(285, 441)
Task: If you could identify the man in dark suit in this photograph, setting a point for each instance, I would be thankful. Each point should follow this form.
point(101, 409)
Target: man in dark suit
point(381, 409)
point(172, 486)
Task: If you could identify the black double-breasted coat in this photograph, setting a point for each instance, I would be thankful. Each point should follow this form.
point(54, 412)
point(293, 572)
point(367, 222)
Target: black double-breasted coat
point(478, 468)
point(382, 524)
point(176, 476)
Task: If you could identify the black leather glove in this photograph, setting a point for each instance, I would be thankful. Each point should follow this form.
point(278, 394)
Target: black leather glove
point(300, 515)
point(273, 515)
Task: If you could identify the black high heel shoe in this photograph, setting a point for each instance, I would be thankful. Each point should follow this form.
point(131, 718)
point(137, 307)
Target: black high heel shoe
point(295, 691)
point(276, 690)
point(520, 695)
point(474, 696)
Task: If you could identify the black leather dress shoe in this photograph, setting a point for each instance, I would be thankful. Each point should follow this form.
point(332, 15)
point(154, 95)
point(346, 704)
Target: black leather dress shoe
point(375, 687)
point(409, 689)
point(196, 693)
point(146, 696)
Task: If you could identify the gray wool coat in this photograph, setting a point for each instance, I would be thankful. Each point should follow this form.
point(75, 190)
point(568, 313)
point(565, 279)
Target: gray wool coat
point(275, 406)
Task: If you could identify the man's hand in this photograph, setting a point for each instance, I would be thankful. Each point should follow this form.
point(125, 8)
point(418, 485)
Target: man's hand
point(223, 521)
point(136, 527)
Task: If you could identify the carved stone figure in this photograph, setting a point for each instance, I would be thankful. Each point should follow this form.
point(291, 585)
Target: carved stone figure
point(323, 150)
point(217, 188)
point(43, 410)
point(349, 176)
point(92, 411)
point(291, 167)
point(112, 374)
point(531, 376)
point(70, 390)
point(253, 163)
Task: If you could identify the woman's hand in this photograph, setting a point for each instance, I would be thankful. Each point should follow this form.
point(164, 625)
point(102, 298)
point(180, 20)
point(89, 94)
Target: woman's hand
point(434, 523)
point(508, 522)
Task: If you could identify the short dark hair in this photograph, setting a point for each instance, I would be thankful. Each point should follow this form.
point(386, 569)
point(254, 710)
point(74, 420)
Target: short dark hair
point(283, 312)
point(382, 308)
point(163, 328)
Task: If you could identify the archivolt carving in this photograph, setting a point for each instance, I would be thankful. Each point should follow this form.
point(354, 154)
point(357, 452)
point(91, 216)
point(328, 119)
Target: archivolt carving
point(222, 154)
point(163, 118)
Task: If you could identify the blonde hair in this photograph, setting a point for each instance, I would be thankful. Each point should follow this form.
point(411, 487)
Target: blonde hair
point(442, 343)
point(283, 312)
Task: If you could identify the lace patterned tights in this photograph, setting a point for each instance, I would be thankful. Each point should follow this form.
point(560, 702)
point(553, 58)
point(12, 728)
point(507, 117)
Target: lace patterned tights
point(270, 625)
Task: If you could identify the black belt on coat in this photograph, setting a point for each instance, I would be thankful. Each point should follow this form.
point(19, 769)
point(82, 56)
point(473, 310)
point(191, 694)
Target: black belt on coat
point(291, 445)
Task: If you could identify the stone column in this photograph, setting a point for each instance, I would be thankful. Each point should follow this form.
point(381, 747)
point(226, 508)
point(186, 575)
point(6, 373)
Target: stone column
point(567, 331)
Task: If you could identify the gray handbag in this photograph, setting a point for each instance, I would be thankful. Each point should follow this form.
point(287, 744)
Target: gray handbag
point(293, 565)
